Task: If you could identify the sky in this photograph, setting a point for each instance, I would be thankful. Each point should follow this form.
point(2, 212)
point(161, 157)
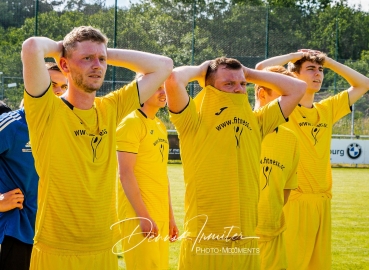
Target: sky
point(125, 3)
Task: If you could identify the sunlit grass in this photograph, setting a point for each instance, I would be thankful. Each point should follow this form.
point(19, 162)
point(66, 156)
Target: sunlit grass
point(350, 217)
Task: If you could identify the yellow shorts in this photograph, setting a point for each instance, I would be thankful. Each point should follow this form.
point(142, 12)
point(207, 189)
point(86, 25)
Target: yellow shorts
point(144, 253)
point(273, 253)
point(46, 258)
point(231, 255)
point(308, 234)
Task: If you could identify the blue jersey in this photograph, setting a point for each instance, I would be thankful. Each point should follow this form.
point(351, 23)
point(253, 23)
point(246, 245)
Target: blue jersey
point(17, 170)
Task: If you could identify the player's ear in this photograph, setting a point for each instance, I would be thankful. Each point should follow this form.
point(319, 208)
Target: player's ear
point(64, 65)
point(261, 93)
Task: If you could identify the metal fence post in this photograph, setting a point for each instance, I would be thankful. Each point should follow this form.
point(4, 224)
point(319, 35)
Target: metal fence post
point(115, 40)
point(36, 17)
point(2, 85)
point(336, 55)
point(267, 33)
point(193, 42)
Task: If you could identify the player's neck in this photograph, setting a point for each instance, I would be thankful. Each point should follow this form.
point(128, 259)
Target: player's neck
point(80, 99)
point(307, 100)
point(149, 111)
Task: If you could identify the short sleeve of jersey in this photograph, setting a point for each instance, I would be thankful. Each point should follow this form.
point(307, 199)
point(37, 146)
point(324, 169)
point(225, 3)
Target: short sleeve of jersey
point(39, 111)
point(339, 104)
point(269, 117)
point(129, 134)
point(187, 120)
point(127, 99)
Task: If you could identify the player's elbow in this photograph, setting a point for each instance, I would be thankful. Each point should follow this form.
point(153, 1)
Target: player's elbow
point(167, 65)
point(301, 87)
point(29, 46)
point(259, 66)
point(174, 80)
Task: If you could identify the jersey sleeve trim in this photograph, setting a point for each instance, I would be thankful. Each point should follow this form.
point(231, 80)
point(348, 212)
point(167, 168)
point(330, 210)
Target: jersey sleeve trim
point(25, 90)
point(126, 152)
point(181, 111)
point(138, 93)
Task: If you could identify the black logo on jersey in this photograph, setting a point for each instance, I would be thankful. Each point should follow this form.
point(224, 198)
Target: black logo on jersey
point(95, 141)
point(151, 132)
point(354, 151)
point(314, 133)
point(221, 110)
point(266, 171)
point(161, 149)
point(237, 134)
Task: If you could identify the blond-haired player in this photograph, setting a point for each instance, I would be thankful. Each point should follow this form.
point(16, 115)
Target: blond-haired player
point(308, 211)
point(142, 145)
point(278, 167)
point(74, 143)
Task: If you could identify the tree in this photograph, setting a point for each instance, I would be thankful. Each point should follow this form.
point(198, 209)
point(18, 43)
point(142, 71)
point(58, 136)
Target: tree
point(14, 13)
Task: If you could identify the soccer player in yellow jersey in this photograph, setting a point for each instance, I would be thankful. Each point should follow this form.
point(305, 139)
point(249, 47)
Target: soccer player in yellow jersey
point(220, 138)
point(278, 166)
point(308, 211)
point(142, 145)
point(74, 144)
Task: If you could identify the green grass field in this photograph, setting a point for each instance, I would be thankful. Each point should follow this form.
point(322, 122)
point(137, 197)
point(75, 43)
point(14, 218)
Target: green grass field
point(350, 217)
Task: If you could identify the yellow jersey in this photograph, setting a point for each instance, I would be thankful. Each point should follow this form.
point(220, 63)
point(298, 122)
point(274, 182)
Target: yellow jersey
point(220, 138)
point(278, 171)
point(75, 157)
point(313, 128)
point(148, 139)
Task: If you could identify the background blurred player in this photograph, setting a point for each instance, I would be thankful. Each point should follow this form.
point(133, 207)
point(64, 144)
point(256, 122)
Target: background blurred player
point(278, 175)
point(308, 211)
point(142, 145)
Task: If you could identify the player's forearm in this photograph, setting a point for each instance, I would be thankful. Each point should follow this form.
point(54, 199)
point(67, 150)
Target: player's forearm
point(141, 62)
point(155, 68)
point(40, 47)
point(284, 85)
point(171, 214)
point(353, 77)
point(359, 83)
point(279, 60)
point(175, 88)
point(185, 74)
point(34, 50)
point(132, 191)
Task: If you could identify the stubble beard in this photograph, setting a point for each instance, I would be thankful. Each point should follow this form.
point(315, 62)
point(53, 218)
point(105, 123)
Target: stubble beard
point(78, 80)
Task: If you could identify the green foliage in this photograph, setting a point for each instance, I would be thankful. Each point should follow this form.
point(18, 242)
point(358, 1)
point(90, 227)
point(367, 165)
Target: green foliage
point(191, 32)
point(163, 115)
point(14, 13)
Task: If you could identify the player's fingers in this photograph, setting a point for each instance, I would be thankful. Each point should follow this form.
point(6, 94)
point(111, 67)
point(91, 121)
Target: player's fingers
point(16, 191)
point(155, 230)
point(174, 235)
point(19, 205)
